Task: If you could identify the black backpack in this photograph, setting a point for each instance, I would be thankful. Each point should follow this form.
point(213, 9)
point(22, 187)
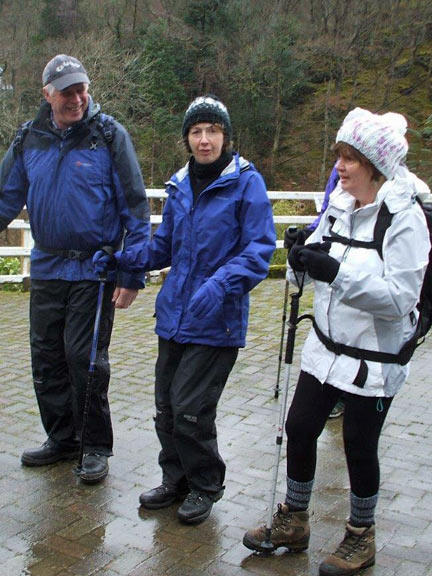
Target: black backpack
point(424, 305)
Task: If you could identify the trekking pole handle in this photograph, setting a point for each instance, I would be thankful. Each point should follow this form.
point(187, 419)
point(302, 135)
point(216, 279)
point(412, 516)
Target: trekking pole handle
point(289, 237)
point(109, 251)
point(292, 327)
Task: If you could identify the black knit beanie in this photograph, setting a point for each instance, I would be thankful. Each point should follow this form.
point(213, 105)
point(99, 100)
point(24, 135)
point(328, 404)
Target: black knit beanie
point(207, 108)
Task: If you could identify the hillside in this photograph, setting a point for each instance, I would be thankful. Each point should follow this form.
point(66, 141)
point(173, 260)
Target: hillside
point(288, 71)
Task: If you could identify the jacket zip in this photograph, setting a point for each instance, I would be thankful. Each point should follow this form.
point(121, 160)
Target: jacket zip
point(344, 257)
point(191, 215)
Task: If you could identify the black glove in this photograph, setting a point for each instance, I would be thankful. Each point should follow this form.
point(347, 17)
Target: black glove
point(295, 254)
point(294, 259)
point(291, 235)
point(319, 264)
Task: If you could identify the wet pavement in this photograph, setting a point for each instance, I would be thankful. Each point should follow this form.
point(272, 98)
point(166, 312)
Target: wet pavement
point(51, 525)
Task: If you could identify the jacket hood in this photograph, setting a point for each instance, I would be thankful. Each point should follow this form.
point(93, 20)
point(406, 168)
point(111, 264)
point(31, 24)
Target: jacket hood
point(398, 193)
point(237, 165)
point(44, 113)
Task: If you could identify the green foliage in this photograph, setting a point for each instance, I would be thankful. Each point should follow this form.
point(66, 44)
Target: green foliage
point(288, 208)
point(288, 71)
point(202, 14)
point(427, 130)
point(50, 22)
point(9, 266)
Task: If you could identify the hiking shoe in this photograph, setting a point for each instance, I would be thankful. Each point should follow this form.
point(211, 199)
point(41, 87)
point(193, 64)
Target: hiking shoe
point(49, 453)
point(197, 506)
point(94, 468)
point(161, 497)
point(289, 529)
point(355, 552)
point(338, 409)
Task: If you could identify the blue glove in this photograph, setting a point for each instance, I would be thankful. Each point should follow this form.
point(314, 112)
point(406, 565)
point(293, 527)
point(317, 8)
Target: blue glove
point(103, 261)
point(208, 298)
point(319, 265)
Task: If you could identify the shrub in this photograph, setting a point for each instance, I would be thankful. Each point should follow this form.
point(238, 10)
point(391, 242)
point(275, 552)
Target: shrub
point(9, 266)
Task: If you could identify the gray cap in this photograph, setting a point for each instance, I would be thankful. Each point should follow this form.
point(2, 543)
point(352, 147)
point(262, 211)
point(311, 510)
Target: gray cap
point(63, 71)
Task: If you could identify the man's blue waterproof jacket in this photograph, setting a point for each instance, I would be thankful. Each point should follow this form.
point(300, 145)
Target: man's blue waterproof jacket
point(228, 235)
point(82, 192)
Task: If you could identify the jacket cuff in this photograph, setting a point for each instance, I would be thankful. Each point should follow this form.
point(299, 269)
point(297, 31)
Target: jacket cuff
point(225, 285)
point(131, 281)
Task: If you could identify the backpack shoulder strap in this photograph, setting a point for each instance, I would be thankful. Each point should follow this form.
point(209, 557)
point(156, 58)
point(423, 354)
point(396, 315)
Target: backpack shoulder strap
point(383, 221)
point(104, 125)
point(20, 136)
point(382, 224)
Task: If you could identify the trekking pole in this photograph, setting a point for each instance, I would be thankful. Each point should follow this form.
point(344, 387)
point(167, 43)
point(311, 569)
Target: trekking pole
point(293, 321)
point(92, 371)
point(287, 246)
point(284, 317)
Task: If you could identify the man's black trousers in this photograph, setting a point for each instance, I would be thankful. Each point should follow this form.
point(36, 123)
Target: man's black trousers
point(62, 318)
point(190, 379)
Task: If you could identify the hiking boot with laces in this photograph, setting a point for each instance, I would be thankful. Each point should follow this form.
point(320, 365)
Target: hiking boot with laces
point(355, 552)
point(162, 496)
point(289, 529)
point(197, 506)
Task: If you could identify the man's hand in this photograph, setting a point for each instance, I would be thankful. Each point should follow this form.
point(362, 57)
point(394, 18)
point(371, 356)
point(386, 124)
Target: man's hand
point(123, 297)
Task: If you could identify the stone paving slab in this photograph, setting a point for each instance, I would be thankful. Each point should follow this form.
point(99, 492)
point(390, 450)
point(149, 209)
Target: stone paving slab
point(51, 525)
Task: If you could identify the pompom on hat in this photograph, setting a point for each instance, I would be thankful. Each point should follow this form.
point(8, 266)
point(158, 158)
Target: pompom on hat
point(207, 108)
point(379, 137)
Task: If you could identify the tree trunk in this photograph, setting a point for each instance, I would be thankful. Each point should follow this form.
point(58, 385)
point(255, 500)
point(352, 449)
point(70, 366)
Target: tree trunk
point(322, 178)
point(277, 131)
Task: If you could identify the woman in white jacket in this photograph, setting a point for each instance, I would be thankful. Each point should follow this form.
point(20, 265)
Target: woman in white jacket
point(365, 300)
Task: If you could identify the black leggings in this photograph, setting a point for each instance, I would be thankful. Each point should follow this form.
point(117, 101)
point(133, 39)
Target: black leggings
point(363, 420)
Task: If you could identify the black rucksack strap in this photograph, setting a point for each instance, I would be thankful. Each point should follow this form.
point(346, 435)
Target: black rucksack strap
point(20, 136)
point(103, 126)
point(338, 348)
point(383, 221)
point(69, 254)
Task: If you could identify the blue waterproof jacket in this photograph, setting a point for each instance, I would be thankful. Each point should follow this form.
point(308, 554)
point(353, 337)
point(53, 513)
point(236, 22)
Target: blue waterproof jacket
point(81, 191)
point(228, 235)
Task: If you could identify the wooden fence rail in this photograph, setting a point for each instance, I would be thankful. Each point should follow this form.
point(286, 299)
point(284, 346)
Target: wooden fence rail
point(23, 251)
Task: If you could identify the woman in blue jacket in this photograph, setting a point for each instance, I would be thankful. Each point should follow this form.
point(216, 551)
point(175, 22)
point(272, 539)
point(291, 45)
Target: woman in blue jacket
point(217, 235)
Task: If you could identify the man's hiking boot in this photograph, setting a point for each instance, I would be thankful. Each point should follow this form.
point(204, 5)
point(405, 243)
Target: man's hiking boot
point(49, 453)
point(94, 468)
point(289, 529)
point(162, 496)
point(355, 552)
point(197, 506)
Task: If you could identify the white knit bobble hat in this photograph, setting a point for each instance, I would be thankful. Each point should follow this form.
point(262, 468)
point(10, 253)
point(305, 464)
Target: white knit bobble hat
point(381, 138)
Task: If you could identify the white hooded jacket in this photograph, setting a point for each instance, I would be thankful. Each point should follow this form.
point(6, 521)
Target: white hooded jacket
point(371, 304)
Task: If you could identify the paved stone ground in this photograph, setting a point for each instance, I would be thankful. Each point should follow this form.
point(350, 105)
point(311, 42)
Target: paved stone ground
point(50, 525)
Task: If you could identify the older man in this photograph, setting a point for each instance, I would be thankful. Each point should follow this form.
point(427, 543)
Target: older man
point(76, 170)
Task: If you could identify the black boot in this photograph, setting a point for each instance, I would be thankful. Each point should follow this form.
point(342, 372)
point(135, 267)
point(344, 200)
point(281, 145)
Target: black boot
point(162, 496)
point(94, 468)
point(197, 506)
point(48, 453)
